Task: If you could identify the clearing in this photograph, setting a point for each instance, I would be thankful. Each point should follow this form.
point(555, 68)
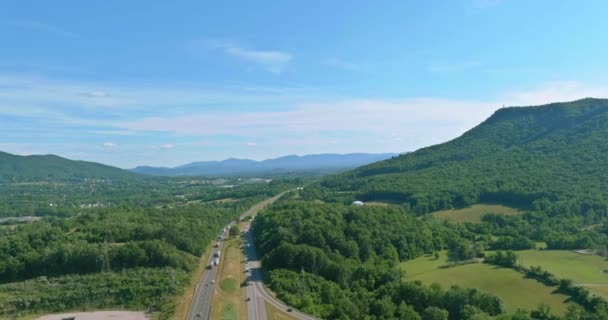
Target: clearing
point(511, 286)
point(584, 269)
point(474, 213)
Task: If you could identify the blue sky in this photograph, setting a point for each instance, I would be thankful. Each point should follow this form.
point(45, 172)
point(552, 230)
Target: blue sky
point(165, 83)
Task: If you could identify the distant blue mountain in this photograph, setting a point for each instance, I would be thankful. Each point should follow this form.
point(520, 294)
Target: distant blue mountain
point(292, 163)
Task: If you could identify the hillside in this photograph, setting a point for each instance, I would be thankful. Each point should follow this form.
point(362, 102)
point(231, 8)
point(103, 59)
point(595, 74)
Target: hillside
point(308, 163)
point(517, 156)
point(54, 168)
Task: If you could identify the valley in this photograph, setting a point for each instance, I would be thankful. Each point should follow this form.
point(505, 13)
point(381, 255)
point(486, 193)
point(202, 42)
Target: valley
point(499, 223)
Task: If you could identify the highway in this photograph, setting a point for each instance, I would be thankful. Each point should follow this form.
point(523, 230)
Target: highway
point(200, 307)
point(257, 295)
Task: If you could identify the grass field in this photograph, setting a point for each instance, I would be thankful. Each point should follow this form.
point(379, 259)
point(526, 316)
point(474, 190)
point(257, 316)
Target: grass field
point(511, 286)
point(228, 312)
point(583, 269)
point(473, 213)
point(229, 285)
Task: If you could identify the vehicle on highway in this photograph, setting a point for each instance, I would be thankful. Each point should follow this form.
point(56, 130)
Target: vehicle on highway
point(212, 281)
point(289, 309)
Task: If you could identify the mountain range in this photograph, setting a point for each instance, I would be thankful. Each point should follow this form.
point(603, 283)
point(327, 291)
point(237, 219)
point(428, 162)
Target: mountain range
point(55, 168)
point(324, 163)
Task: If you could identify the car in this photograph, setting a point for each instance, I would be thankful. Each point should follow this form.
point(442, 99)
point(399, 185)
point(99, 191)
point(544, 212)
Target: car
point(247, 299)
point(199, 314)
point(289, 309)
point(212, 281)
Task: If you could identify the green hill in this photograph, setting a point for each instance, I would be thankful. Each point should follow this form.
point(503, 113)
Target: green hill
point(520, 155)
point(53, 168)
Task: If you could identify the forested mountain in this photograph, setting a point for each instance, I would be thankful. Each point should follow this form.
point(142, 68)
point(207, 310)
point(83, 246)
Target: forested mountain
point(53, 168)
point(340, 261)
point(520, 155)
point(307, 163)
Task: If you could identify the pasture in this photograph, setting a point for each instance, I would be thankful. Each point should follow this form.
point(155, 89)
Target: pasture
point(584, 269)
point(474, 213)
point(512, 287)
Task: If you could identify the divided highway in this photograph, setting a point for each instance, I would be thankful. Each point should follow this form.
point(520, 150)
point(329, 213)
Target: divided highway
point(200, 307)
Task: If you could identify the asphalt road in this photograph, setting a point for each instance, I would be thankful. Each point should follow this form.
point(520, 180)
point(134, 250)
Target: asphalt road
point(200, 306)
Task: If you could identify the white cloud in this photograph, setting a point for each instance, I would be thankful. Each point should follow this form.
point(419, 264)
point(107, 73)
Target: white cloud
point(296, 120)
point(556, 92)
point(270, 60)
point(413, 122)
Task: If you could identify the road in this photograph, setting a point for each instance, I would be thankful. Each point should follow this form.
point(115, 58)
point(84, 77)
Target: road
point(200, 306)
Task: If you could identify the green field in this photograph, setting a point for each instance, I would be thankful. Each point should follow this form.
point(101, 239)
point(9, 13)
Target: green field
point(583, 269)
point(511, 286)
point(228, 312)
point(474, 213)
point(229, 285)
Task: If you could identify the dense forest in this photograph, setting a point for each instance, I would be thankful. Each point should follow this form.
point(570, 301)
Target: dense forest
point(520, 155)
point(106, 243)
point(119, 256)
point(340, 261)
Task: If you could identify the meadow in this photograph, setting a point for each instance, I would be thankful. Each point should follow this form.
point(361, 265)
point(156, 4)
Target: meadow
point(473, 213)
point(512, 287)
point(584, 269)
